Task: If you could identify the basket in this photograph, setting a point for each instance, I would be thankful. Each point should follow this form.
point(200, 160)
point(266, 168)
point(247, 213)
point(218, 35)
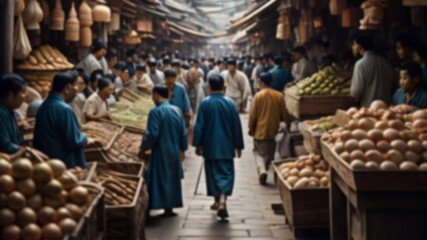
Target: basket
point(72, 26)
point(85, 37)
point(132, 169)
point(85, 15)
point(311, 139)
point(306, 106)
point(58, 17)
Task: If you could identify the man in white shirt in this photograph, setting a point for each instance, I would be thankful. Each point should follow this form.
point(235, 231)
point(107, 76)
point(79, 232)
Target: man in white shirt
point(155, 75)
point(237, 85)
point(373, 76)
point(95, 60)
point(302, 67)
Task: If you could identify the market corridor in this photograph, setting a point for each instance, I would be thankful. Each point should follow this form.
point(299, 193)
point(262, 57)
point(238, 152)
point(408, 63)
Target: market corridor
point(250, 211)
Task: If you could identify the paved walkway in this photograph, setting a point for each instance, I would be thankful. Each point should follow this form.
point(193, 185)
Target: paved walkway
point(250, 211)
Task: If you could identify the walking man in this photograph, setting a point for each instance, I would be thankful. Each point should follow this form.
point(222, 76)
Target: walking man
point(166, 137)
point(267, 111)
point(218, 138)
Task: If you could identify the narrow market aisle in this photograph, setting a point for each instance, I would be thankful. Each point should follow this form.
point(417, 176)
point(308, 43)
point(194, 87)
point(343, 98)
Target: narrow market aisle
point(250, 211)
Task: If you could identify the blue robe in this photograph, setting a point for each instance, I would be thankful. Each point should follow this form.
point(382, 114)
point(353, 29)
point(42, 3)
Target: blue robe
point(10, 135)
point(166, 136)
point(219, 131)
point(281, 77)
point(57, 132)
point(419, 99)
point(180, 98)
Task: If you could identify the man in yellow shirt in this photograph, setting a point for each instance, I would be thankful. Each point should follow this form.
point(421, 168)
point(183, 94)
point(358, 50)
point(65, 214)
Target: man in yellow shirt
point(267, 111)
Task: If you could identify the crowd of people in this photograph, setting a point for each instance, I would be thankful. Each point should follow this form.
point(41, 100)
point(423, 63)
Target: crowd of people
point(203, 96)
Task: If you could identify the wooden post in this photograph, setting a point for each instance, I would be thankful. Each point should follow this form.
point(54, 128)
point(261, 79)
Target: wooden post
point(7, 8)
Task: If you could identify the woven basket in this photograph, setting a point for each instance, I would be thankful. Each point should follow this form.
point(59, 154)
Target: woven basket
point(72, 26)
point(85, 15)
point(58, 17)
point(32, 15)
point(85, 37)
point(19, 7)
point(101, 13)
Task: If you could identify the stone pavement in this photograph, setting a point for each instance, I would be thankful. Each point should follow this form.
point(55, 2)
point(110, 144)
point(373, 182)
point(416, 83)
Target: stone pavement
point(250, 211)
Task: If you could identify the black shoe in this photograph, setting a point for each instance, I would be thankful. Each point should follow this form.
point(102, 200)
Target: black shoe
point(169, 213)
point(222, 213)
point(263, 178)
point(215, 206)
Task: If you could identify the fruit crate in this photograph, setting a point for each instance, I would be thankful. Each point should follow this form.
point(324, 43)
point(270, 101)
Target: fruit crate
point(375, 180)
point(311, 139)
point(127, 221)
point(304, 106)
point(113, 129)
point(306, 210)
point(92, 225)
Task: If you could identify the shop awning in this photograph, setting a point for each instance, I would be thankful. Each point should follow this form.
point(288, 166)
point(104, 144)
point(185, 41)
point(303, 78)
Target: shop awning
point(240, 36)
point(151, 9)
point(190, 31)
point(179, 6)
point(249, 16)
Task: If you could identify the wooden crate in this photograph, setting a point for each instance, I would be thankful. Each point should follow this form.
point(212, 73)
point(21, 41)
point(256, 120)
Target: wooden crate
point(373, 181)
point(305, 209)
point(97, 146)
point(92, 225)
point(133, 169)
point(302, 106)
point(311, 139)
point(376, 215)
point(126, 221)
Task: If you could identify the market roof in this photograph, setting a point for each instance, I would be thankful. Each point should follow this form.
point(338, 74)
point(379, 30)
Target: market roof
point(252, 13)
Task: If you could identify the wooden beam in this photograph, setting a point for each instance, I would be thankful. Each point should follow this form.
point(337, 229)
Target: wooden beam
point(7, 8)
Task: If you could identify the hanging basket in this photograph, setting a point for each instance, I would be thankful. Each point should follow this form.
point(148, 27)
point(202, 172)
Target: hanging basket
point(373, 16)
point(85, 15)
point(32, 15)
point(132, 38)
point(19, 7)
point(318, 22)
point(115, 20)
point(85, 37)
point(46, 11)
point(58, 17)
point(101, 13)
point(72, 26)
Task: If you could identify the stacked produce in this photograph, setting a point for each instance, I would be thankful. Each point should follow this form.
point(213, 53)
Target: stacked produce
point(306, 172)
point(133, 114)
point(39, 201)
point(324, 82)
point(119, 190)
point(321, 125)
point(80, 173)
point(126, 147)
point(103, 132)
point(46, 57)
point(378, 138)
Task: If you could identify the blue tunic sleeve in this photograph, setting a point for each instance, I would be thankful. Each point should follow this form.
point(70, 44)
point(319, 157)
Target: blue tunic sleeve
point(7, 143)
point(399, 97)
point(151, 134)
point(74, 138)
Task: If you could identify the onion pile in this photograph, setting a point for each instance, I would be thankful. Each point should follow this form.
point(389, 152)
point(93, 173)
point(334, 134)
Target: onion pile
point(307, 172)
point(381, 138)
point(34, 204)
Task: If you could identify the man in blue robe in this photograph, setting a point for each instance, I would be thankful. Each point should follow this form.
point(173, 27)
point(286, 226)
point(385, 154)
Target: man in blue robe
point(166, 137)
point(57, 132)
point(410, 91)
point(178, 94)
point(12, 96)
point(218, 137)
point(281, 75)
